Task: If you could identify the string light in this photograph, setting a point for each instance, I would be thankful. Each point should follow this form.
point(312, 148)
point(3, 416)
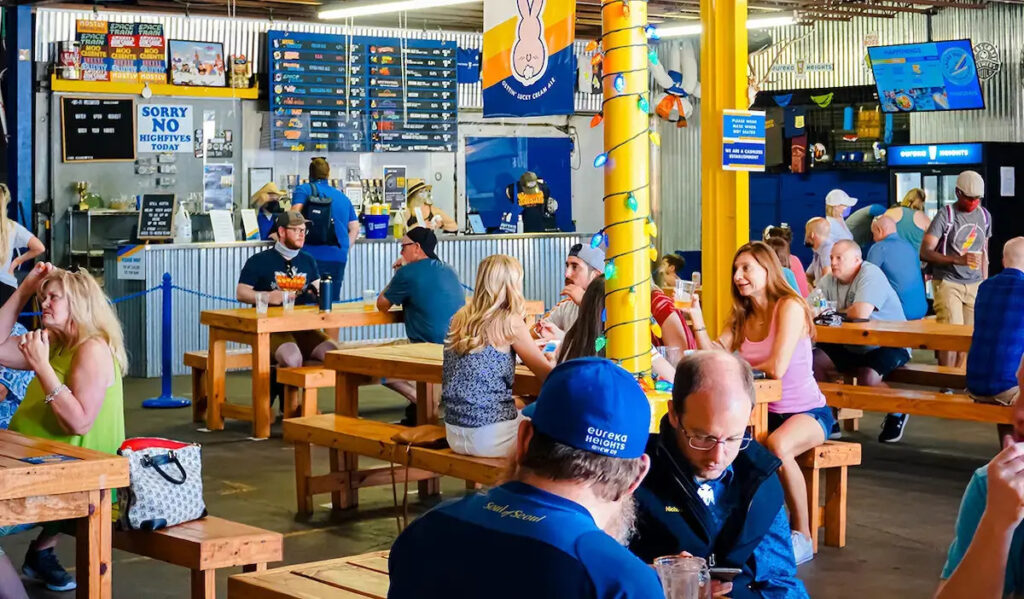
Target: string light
point(662, 385)
point(642, 104)
point(651, 32)
point(631, 202)
point(620, 83)
point(625, 8)
point(596, 120)
point(653, 56)
point(598, 239)
point(653, 253)
point(601, 159)
point(604, 314)
point(631, 296)
point(655, 328)
point(609, 271)
point(651, 228)
point(654, 135)
point(599, 343)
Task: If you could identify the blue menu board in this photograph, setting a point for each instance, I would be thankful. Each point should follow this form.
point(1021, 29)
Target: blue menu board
point(926, 77)
point(348, 94)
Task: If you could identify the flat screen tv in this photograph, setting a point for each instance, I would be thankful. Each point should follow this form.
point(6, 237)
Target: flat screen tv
point(926, 77)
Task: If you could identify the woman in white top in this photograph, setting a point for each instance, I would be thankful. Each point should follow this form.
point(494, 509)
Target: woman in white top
point(12, 237)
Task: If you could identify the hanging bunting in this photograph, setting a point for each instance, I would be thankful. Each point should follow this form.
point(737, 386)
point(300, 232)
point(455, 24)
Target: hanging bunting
point(824, 100)
point(783, 100)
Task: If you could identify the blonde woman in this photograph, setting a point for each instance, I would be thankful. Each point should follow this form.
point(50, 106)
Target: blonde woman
point(12, 237)
point(911, 219)
point(480, 352)
point(76, 398)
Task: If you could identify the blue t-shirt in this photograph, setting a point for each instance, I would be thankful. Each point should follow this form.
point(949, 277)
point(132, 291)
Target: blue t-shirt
point(902, 266)
point(998, 340)
point(341, 211)
point(512, 542)
point(266, 225)
point(790, 277)
point(971, 508)
point(261, 272)
point(430, 293)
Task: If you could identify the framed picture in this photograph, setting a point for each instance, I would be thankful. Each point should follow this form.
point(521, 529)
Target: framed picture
point(258, 177)
point(196, 63)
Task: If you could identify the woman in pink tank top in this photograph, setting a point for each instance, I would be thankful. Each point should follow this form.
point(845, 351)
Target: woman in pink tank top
point(771, 327)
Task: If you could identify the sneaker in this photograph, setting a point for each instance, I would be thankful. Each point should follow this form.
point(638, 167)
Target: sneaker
point(836, 433)
point(893, 427)
point(803, 548)
point(44, 567)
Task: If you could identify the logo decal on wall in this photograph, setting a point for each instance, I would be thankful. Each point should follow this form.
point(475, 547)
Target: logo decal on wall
point(987, 59)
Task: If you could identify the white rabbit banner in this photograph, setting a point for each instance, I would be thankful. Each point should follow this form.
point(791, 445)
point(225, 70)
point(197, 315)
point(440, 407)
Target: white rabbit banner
point(528, 61)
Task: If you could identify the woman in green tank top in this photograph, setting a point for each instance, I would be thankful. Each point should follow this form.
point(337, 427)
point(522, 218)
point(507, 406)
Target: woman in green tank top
point(76, 398)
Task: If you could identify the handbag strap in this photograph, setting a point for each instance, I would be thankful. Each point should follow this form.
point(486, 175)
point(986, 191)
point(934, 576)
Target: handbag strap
point(401, 515)
point(171, 458)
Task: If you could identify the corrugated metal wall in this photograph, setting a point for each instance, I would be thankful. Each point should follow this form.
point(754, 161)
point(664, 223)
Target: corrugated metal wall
point(213, 269)
point(839, 43)
point(1002, 26)
point(246, 36)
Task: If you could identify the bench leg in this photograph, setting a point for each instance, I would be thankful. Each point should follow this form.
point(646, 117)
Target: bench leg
point(309, 405)
point(291, 402)
point(261, 567)
point(835, 506)
point(303, 470)
point(198, 395)
point(852, 425)
point(347, 496)
point(204, 584)
point(813, 503)
point(428, 398)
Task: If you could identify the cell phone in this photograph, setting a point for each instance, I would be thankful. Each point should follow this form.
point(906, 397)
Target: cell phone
point(725, 574)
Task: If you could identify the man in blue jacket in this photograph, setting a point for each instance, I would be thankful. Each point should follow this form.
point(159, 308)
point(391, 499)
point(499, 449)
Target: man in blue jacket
point(712, 491)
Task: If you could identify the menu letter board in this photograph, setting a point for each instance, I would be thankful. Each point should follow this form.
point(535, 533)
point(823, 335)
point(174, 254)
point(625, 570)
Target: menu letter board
point(334, 93)
point(156, 216)
point(97, 129)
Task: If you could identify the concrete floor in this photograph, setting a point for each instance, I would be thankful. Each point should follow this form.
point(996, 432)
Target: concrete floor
point(902, 506)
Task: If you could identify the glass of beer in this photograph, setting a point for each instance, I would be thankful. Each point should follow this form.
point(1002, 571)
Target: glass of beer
point(684, 577)
point(974, 260)
point(369, 300)
point(684, 294)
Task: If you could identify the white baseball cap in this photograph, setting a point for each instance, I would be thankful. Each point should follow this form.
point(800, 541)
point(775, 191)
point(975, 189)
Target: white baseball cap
point(838, 197)
point(971, 184)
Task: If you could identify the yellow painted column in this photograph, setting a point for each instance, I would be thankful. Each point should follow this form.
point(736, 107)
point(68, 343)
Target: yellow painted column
point(626, 184)
point(725, 196)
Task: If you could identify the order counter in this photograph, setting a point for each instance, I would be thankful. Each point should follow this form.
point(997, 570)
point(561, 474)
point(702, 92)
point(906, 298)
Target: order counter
point(212, 269)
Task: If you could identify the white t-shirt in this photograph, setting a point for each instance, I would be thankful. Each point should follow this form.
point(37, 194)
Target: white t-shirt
point(18, 237)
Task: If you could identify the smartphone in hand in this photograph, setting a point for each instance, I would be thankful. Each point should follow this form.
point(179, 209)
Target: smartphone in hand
point(725, 574)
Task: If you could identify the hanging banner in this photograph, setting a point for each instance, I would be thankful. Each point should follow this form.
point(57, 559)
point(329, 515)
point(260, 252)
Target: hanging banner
point(528, 61)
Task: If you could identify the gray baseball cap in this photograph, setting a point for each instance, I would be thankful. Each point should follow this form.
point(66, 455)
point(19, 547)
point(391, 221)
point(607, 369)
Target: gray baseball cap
point(592, 257)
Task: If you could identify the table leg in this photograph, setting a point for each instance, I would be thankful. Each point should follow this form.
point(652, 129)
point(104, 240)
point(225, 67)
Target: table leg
point(303, 470)
point(428, 396)
point(92, 551)
point(760, 421)
point(216, 359)
point(261, 386)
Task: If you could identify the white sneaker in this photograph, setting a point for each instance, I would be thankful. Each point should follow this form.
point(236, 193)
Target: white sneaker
point(803, 548)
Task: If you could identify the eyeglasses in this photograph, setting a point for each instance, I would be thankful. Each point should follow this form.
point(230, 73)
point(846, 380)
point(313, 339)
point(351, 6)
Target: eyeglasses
point(708, 442)
point(303, 229)
point(405, 245)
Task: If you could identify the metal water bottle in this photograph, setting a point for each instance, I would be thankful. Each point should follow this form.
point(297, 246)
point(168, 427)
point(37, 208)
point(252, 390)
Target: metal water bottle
point(326, 293)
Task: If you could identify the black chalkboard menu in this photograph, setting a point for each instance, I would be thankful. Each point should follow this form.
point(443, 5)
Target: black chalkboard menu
point(156, 216)
point(95, 129)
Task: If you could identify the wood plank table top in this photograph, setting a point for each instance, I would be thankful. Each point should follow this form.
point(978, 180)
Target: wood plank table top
point(917, 334)
point(44, 481)
point(354, 577)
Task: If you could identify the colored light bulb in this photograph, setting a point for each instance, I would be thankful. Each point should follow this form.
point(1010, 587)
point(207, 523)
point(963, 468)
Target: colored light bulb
point(631, 202)
point(651, 32)
point(601, 159)
point(609, 271)
point(662, 385)
point(620, 83)
point(652, 56)
point(599, 343)
point(631, 297)
point(592, 45)
point(596, 120)
point(652, 229)
point(625, 8)
point(597, 239)
point(656, 330)
point(604, 314)
point(642, 104)
point(653, 253)
point(655, 138)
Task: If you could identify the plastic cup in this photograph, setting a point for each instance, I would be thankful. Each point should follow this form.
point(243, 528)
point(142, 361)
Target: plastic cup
point(262, 302)
point(289, 301)
point(684, 577)
point(684, 294)
point(974, 260)
point(369, 300)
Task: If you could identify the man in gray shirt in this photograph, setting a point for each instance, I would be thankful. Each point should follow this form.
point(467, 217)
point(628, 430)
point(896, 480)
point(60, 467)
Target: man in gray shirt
point(956, 247)
point(862, 291)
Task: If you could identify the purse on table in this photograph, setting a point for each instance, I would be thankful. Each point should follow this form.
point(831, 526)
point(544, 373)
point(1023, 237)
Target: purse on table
point(165, 483)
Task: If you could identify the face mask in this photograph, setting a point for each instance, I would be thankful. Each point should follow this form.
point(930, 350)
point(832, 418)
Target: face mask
point(808, 244)
point(273, 207)
point(285, 251)
point(968, 205)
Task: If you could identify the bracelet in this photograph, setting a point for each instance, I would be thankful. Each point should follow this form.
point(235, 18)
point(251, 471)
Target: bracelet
point(699, 329)
point(52, 395)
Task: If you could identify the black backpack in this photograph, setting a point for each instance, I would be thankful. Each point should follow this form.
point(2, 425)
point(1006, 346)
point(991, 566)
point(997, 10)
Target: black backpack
point(317, 210)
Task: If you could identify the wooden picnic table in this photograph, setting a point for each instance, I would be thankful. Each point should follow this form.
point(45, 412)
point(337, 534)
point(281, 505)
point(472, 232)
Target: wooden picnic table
point(917, 334)
point(422, 363)
point(44, 481)
point(355, 577)
point(245, 326)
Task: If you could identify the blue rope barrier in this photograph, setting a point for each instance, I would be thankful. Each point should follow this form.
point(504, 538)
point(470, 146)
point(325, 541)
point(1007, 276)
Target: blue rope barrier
point(132, 296)
point(206, 295)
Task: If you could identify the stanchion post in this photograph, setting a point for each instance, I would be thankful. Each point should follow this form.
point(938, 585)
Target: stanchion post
point(166, 400)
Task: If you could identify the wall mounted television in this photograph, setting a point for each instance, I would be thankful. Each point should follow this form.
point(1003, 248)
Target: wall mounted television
point(933, 76)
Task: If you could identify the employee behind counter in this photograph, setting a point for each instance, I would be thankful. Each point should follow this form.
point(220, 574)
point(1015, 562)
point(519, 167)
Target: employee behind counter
point(533, 199)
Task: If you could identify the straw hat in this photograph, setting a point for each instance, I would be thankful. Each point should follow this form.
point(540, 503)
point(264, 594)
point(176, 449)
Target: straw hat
point(262, 196)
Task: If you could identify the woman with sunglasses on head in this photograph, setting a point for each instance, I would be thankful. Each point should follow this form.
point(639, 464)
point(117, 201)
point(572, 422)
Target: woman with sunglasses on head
point(13, 236)
point(771, 327)
point(76, 398)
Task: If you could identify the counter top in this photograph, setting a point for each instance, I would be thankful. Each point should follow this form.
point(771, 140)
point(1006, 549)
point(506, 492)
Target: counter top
point(157, 247)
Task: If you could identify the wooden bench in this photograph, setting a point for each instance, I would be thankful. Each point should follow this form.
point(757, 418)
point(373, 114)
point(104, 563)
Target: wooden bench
point(343, 434)
point(204, 546)
point(929, 375)
point(237, 359)
point(957, 406)
point(300, 385)
point(834, 458)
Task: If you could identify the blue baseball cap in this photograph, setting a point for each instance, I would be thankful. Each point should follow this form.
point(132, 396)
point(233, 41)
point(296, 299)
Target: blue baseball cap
point(594, 405)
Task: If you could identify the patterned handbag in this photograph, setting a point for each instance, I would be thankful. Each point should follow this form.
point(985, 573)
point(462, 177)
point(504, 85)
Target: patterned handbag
point(165, 483)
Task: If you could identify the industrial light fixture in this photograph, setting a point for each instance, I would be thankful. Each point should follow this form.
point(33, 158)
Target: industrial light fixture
point(680, 30)
point(366, 9)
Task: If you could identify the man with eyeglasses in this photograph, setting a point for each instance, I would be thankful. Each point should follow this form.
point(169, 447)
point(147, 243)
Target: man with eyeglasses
point(712, 491)
point(287, 264)
point(429, 292)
